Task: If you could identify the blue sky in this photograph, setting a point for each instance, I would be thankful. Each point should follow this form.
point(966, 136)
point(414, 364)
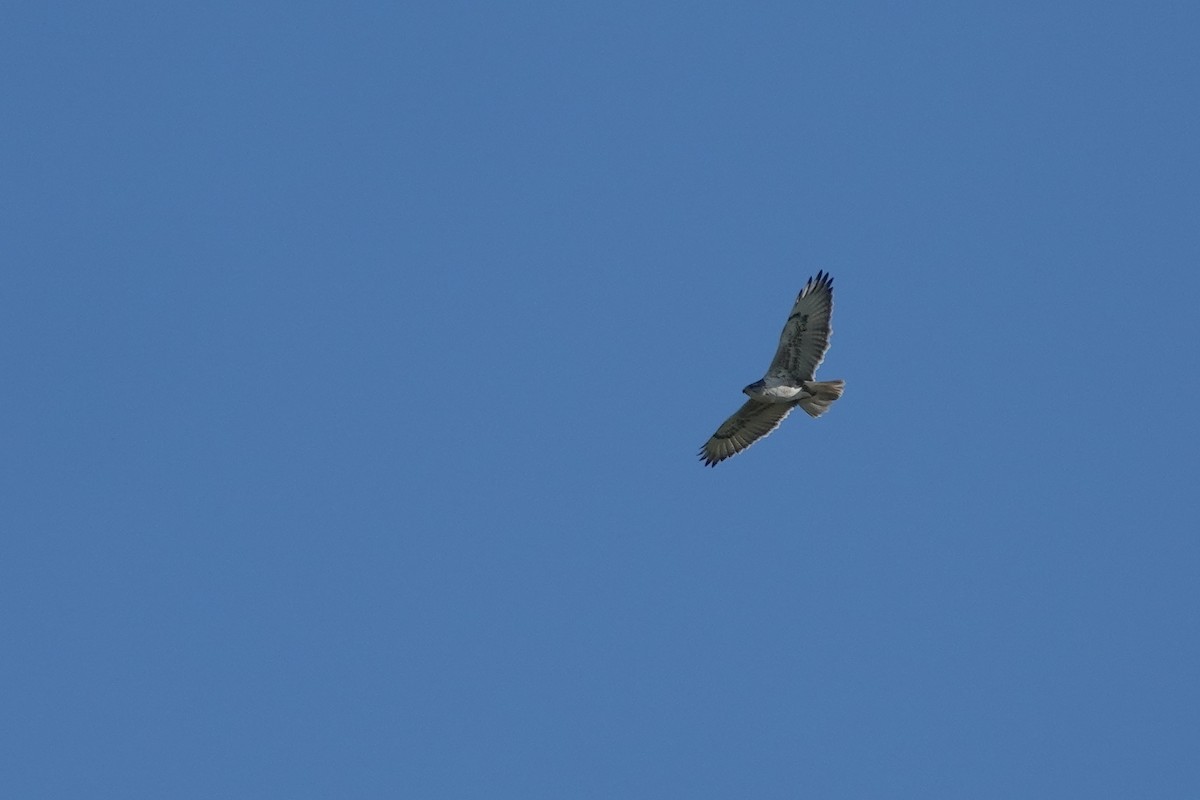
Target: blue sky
point(357, 356)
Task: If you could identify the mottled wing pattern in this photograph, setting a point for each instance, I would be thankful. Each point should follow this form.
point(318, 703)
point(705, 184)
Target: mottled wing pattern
point(805, 336)
point(752, 421)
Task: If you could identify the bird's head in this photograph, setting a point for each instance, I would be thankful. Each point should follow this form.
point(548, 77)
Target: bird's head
point(754, 389)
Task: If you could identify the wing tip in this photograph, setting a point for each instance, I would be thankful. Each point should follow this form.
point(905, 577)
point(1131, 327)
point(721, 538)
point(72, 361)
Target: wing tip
point(710, 459)
point(821, 281)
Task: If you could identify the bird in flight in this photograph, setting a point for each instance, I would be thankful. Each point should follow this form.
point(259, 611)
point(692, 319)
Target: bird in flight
point(789, 380)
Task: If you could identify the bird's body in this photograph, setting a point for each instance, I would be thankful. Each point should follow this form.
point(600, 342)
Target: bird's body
point(773, 389)
point(789, 381)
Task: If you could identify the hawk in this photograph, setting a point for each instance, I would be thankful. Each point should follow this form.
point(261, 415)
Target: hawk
point(789, 380)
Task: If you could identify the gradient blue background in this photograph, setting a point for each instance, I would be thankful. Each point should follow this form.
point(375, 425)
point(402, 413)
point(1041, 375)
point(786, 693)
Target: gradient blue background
point(356, 357)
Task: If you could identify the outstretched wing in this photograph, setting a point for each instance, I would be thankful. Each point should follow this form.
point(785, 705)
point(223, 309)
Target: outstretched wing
point(805, 336)
point(752, 422)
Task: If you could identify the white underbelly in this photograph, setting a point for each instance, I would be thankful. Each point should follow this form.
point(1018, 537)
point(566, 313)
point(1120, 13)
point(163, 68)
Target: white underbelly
point(780, 394)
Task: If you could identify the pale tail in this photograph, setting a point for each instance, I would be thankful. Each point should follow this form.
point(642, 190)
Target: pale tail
point(824, 393)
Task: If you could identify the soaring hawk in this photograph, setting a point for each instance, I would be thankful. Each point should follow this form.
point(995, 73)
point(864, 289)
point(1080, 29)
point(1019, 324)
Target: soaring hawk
point(789, 380)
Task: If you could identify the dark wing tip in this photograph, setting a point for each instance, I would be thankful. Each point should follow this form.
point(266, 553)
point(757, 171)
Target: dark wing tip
point(822, 280)
point(709, 459)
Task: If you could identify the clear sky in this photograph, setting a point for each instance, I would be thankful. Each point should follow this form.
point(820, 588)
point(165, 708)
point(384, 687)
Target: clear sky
point(356, 357)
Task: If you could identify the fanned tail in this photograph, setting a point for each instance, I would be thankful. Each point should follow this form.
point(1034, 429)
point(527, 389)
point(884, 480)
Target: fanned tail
point(823, 395)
